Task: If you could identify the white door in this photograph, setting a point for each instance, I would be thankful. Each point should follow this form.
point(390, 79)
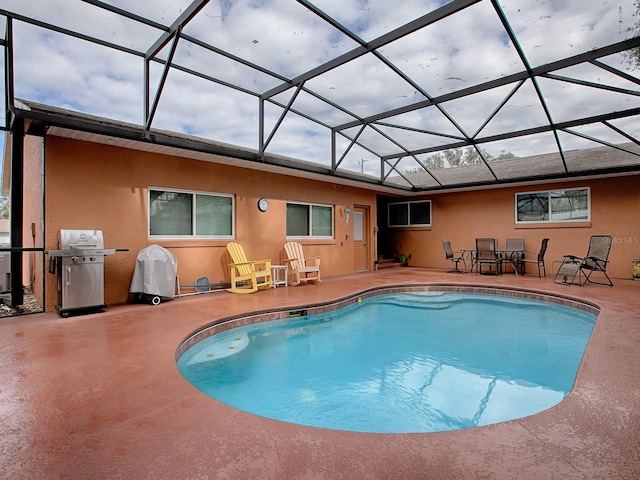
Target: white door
point(359, 239)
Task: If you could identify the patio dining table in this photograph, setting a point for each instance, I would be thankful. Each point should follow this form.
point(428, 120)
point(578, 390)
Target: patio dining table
point(512, 255)
point(468, 257)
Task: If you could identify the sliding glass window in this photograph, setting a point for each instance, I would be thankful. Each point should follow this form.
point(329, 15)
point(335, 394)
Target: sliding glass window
point(570, 205)
point(409, 214)
point(306, 220)
point(184, 214)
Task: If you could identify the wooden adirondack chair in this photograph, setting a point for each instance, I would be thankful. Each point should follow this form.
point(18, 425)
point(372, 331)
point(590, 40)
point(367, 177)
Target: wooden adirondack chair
point(247, 276)
point(303, 270)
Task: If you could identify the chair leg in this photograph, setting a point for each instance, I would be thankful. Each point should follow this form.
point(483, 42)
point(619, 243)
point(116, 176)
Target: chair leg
point(587, 278)
point(456, 268)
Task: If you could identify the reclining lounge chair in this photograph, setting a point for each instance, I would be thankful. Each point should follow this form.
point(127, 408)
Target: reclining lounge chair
point(595, 261)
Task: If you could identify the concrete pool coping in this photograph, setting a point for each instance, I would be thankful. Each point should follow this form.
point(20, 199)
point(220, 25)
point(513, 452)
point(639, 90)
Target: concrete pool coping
point(223, 324)
point(100, 396)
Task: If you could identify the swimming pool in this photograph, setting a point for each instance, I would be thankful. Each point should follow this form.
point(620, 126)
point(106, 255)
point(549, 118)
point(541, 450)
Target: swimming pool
point(402, 362)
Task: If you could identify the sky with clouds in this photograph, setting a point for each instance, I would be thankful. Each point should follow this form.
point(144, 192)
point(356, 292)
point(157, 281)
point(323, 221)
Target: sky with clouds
point(281, 39)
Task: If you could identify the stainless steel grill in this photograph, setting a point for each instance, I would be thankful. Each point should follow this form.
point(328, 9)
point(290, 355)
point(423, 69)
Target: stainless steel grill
point(80, 267)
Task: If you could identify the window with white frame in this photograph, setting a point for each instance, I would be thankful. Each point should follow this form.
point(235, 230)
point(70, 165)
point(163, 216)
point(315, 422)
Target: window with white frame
point(409, 214)
point(306, 220)
point(185, 214)
point(568, 205)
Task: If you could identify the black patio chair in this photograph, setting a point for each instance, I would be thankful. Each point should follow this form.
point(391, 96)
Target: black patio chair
point(454, 256)
point(595, 261)
point(512, 255)
point(539, 257)
point(486, 254)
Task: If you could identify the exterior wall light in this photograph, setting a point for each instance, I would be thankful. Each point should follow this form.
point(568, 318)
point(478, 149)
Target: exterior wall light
point(347, 210)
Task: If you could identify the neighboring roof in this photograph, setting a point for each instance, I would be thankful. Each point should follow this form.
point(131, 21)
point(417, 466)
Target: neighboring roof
point(391, 94)
point(577, 163)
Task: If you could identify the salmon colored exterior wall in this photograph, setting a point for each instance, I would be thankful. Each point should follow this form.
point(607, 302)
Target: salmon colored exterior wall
point(33, 213)
point(94, 186)
point(462, 217)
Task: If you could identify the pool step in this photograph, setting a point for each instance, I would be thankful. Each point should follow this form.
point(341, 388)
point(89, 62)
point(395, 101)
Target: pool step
point(385, 263)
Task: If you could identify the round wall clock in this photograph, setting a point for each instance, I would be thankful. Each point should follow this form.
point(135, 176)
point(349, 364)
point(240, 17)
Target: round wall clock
point(263, 204)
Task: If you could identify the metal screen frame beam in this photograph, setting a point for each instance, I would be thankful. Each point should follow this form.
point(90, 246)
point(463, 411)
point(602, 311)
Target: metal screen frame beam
point(17, 209)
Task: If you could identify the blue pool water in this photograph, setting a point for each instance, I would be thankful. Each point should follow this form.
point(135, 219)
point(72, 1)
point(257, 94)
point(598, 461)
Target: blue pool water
point(410, 362)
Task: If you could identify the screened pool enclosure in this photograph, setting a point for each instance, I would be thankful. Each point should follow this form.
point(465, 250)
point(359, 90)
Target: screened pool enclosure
point(408, 96)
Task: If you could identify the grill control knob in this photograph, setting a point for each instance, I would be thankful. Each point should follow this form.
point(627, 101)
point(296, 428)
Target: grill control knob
point(93, 259)
point(74, 259)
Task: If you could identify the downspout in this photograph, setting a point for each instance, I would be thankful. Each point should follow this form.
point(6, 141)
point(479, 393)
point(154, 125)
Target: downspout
point(375, 248)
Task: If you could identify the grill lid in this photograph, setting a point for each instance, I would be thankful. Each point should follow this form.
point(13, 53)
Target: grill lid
point(80, 240)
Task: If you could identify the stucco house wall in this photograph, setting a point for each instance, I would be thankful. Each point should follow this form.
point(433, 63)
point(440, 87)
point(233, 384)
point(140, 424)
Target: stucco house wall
point(33, 215)
point(95, 186)
point(463, 216)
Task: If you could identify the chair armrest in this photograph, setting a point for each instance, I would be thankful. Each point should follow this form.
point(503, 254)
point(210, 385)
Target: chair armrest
point(239, 264)
point(315, 260)
point(595, 259)
point(573, 258)
point(266, 263)
point(290, 260)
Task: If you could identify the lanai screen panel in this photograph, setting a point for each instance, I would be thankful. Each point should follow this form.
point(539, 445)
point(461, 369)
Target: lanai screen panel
point(417, 94)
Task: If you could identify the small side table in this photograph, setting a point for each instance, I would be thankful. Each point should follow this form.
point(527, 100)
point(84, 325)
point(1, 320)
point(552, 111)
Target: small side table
point(279, 274)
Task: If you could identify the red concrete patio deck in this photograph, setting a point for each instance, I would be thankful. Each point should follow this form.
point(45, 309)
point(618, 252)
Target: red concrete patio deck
point(99, 397)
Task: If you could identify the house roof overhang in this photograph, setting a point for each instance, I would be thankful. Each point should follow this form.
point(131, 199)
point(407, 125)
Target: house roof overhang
point(46, 120)
point(412, 98)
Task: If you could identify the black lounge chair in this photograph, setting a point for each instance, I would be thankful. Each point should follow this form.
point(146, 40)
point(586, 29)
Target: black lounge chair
point(595, 261)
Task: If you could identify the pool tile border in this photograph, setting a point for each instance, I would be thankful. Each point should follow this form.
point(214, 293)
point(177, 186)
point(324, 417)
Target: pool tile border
point(227, 323)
